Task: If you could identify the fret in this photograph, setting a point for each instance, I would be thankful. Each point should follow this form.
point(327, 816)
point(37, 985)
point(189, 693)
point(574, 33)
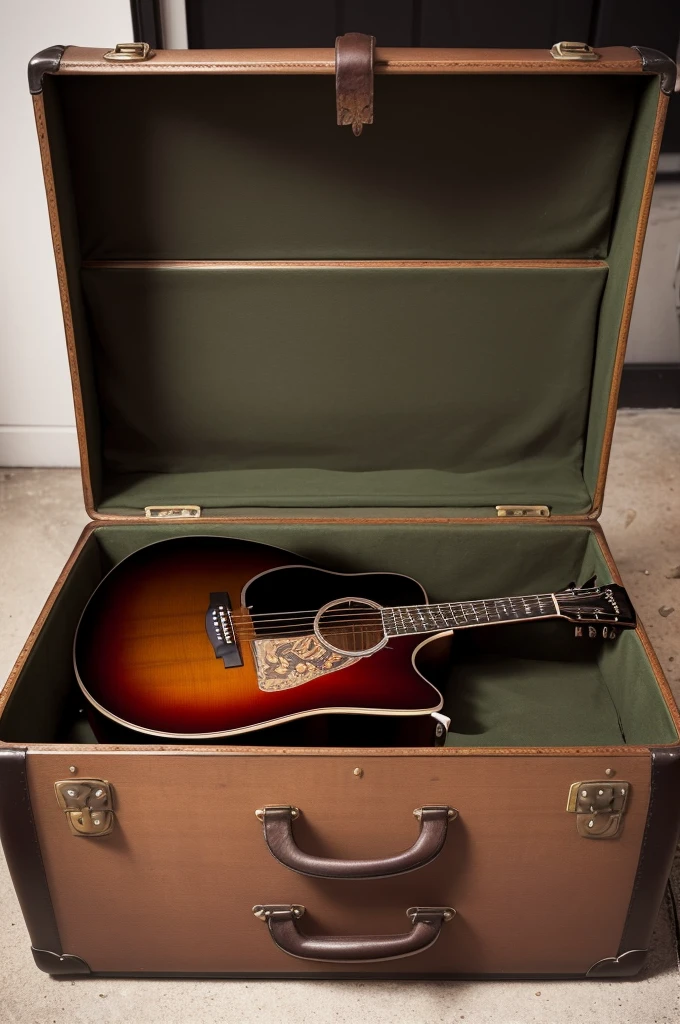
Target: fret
point(404, 620)
point(444, 623)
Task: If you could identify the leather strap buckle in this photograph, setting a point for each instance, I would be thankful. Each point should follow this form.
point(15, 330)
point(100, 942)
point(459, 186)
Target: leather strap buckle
point(354, 57)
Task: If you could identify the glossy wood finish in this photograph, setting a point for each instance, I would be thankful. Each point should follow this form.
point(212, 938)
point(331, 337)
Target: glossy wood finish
point(143, 657)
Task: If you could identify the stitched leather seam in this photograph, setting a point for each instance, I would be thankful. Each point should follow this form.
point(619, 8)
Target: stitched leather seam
point(381, 66)
point(643, 849)
point(43, 894)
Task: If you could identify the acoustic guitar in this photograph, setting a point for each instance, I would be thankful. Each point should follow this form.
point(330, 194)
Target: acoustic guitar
point(207, 637)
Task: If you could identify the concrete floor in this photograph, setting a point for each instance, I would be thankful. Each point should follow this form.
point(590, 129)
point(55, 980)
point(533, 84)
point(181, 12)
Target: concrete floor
point(40, 518)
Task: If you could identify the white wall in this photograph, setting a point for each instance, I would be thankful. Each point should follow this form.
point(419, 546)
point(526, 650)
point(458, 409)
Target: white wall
point(654, 328)
point(36, 410)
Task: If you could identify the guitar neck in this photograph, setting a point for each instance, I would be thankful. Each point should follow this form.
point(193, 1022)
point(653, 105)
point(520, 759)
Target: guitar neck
point(432, 618)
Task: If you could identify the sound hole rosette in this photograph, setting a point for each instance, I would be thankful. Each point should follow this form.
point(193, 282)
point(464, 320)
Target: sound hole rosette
point(335, 621)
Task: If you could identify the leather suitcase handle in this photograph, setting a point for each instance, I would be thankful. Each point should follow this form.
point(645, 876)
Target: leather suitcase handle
point(282, 921)
point(354, 55)
point(277, 825)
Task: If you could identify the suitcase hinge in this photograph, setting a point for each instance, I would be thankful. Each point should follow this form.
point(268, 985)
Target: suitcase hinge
point(573, 51)
point(88, 805)
point(172, 511)
point(130, 51)
point(522, 510)
point(599, 807)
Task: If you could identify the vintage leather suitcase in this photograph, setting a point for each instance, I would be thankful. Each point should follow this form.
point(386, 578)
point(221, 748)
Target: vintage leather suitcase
point(355, 341)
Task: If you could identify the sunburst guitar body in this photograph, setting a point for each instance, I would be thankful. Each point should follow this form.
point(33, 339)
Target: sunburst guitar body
point(151, 649)
point(208, 637)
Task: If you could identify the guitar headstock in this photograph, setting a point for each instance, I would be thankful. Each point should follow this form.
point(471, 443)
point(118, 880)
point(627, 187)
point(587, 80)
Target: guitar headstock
point(591, 606)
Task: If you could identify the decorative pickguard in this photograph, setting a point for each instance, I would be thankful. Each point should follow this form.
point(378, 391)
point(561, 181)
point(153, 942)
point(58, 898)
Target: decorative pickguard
point(294, 660)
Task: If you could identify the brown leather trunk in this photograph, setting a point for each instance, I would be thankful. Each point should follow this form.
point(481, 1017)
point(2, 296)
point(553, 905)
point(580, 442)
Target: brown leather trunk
point(169, 870)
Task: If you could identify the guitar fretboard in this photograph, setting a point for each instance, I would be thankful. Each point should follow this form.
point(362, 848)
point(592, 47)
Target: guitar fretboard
point(430, 618)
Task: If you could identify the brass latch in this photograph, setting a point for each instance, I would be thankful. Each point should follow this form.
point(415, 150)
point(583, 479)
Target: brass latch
point(294, 811)
point(130, 51)
point(172, 511)
point(573, 51)
point(599, 807)
point(266, 911)
point(522, 510)
point(88, 805)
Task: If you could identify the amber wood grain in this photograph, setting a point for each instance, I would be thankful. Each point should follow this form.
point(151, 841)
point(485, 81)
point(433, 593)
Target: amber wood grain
point(143, 657)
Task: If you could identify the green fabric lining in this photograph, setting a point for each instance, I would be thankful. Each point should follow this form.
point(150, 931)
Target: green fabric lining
point(254, 166)
point(194, 180)
point(542, 482)
point(523, 685)
point(620, 257)
point(316, 386)
point(560, 704)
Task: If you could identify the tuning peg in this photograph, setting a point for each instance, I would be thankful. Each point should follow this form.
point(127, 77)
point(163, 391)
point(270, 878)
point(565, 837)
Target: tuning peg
point(589, 584)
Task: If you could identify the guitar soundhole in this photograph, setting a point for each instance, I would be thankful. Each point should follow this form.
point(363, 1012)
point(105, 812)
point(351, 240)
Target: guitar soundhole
point(351, 626)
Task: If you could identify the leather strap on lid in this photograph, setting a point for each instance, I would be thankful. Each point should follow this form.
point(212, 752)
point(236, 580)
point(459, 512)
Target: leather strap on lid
point(354, 79)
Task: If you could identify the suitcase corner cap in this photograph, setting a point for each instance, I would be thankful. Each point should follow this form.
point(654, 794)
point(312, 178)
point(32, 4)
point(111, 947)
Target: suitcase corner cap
point(46, 62)
point(59, 963)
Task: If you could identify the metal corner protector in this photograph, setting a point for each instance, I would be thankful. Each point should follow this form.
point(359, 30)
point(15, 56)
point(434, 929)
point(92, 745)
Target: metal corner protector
point(654, 62)
point(46, 62)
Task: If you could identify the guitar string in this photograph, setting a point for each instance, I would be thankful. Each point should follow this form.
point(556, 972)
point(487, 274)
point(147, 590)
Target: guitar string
point(408, 620)
point(434, 621)
point(354, 613)
point(378, 629)
point(476, 601)
point(375, 623)
point(561, 595)
point(378, 625)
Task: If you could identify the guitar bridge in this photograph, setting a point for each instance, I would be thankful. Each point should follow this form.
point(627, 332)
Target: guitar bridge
point(220, 630)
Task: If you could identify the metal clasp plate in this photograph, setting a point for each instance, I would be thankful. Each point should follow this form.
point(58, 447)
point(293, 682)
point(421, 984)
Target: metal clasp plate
point(266, 911)
point(172, 511)
point(599, 807)
point(522, 510)
point(130, 51)
point(573, 51)
point(294, 811)
point(88, 805)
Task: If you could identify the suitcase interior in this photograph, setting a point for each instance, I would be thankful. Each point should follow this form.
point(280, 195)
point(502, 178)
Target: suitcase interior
point(533, 685)
point(269, 313)
point(272, 318)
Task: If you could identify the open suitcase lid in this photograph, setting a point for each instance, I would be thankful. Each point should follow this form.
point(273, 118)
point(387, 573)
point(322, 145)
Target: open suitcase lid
point(268, 316)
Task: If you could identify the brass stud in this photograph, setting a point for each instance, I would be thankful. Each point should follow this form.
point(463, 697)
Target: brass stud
point(359, 772)
point(73, 769)
point(609, 771)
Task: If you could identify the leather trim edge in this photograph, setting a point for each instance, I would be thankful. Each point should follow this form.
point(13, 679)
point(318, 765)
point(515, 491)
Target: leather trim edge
point(46, 62)
point(625, 965)
point(365, 975)
point(654, 62)
point(56, 963)
point(22, 851)
point(656, 851)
